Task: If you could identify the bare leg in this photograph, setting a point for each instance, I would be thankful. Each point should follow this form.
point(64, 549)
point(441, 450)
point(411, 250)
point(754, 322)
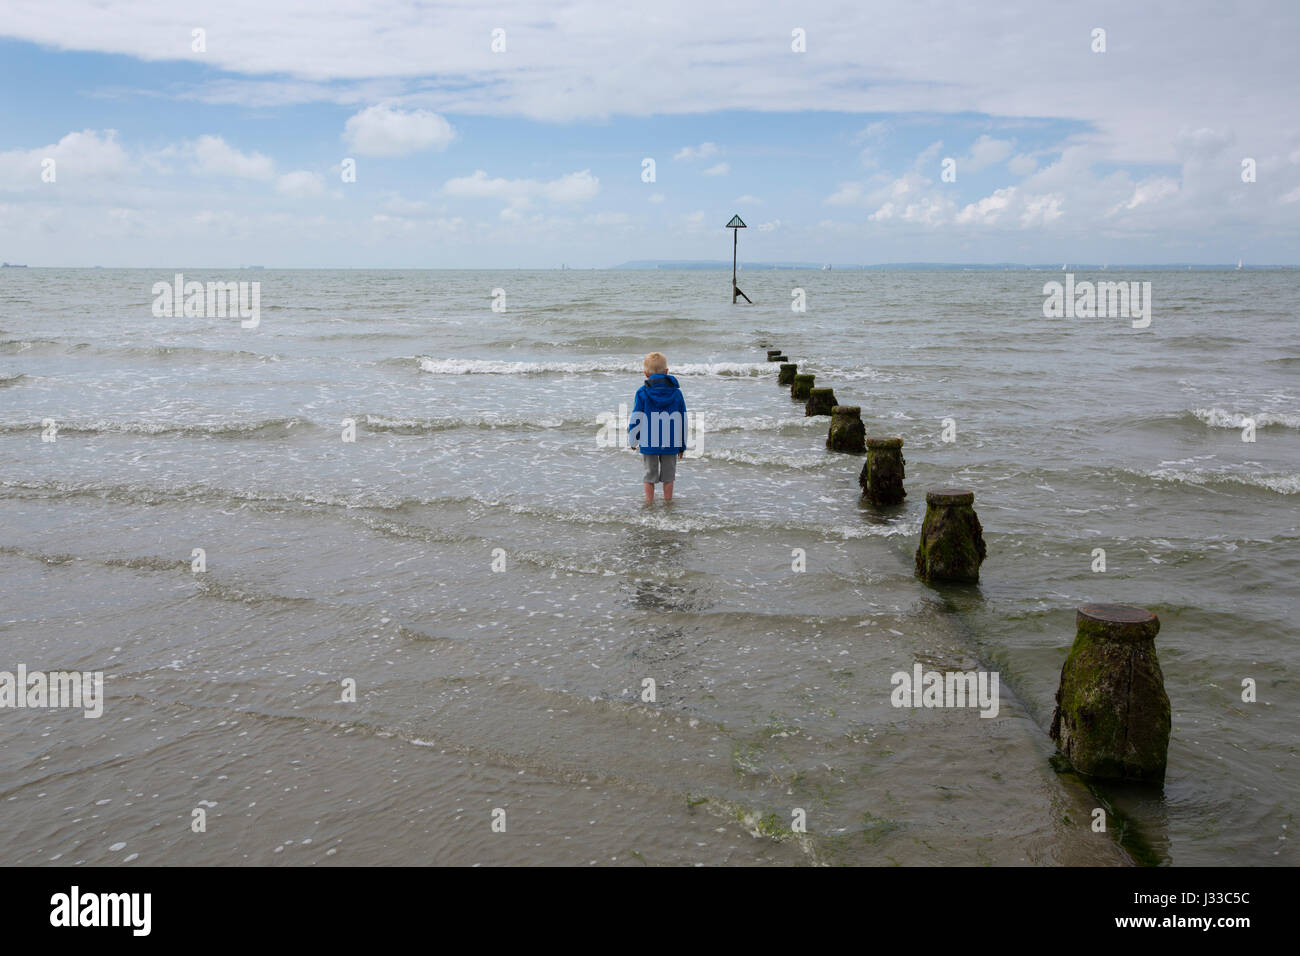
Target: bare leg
point(668, 491)
point(650, 491)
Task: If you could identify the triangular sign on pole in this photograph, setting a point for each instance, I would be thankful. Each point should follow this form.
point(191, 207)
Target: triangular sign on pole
point(736, 223)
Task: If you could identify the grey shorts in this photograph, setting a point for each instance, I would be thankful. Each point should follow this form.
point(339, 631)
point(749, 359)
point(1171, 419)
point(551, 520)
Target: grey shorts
point(659, 469)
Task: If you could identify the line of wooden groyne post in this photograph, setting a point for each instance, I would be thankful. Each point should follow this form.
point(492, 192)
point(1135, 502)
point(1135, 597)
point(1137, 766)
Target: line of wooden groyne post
point(1112, 717)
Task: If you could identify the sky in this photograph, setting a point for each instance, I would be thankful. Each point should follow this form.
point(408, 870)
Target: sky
point(394, 134)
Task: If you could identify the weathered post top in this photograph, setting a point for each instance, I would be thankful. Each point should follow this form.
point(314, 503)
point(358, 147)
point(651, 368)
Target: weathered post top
point(1119, 622)
point(949, 496)
point(879, 442)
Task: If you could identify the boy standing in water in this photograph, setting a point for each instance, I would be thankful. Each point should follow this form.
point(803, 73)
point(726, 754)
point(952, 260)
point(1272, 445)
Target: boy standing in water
point(657, 426)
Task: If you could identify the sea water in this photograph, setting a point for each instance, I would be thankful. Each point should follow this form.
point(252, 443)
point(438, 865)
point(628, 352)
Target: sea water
point(461, 638)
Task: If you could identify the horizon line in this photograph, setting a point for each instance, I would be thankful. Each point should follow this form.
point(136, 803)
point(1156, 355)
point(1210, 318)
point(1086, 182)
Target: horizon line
point(653, 265)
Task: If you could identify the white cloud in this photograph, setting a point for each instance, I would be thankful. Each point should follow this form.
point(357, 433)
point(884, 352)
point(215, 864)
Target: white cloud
point(721, 169)
point(78, 157)
point(1022, 165)
point(396, 203)
point(1194, 117)
point(1203, 141)
point(873, 132)
point(521, 193)
point(605, 219)
point(849, 194)
point(213, 156)
point(703, 151)
point(926, 210)
point(575, 187)
point(929, 156)
point(584, 59)
point(910, 198)
point(769, 226)
point(300, 184)
point(1040, 210)
point(985, 152)
point(481, 186)
point(747, 200)
point(1149, 191)
point(657, 197)
point(988, 209)
point(384, 131)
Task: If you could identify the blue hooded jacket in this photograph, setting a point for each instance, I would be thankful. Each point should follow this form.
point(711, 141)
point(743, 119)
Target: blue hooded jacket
point(661, 418)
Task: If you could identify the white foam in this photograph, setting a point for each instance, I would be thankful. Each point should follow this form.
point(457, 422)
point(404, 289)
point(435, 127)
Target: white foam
point(1281, 484)
point(761, 423)
point(493, 367)
point(1221, 418)
point(770, 461)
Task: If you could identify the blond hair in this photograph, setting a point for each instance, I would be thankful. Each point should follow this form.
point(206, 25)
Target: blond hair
point(655, 364)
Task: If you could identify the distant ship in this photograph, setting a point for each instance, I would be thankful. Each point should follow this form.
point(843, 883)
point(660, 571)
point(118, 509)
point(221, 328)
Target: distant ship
point(1062, 266)
point(11, 265)
point(826, 268)
point(1238, 263)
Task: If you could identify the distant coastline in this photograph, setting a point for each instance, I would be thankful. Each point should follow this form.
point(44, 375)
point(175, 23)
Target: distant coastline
point(934, 266)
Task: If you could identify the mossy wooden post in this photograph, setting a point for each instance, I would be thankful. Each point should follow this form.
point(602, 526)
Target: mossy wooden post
point(882, 473)
point(952, 541)
point(780, 358)
point(847, 433)
point(735, 226)
point(785, 376)
point(772, 354)
point(1112, 713)
point(800, 386)
point(820, 401)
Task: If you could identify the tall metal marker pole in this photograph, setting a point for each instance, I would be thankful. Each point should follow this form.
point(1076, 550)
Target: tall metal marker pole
point(734, 225)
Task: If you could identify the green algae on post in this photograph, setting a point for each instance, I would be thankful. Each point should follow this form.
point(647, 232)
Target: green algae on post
point(820, 401)
point(882, 473)
point(847, 433)
point(801, 386)
point(1112, 716)
point(952, 541)
point(772, 354)
point(785, 375)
